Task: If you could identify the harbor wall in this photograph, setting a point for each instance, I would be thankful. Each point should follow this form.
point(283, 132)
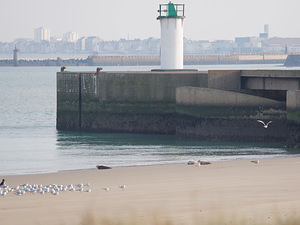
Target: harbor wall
point(293, 118)
point(142, 102)
point(148, 60)
point(209, 105)
point(212, 114)
point(235, 58)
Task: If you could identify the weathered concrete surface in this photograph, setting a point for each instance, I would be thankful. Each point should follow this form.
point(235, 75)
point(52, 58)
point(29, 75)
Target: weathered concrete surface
point(141, 102)
point(293, 118)
point(293, 100)
point(145, 102)
point(230, 129)
point(270, 79)
point(234, 80)
point(224, 79)
point(210, 114)
point(214, 97)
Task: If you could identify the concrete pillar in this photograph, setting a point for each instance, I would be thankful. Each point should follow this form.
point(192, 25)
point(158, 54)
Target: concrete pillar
point(293, 100)
point(293, 118)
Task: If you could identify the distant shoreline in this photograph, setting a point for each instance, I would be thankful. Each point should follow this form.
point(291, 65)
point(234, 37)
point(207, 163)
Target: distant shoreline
point(150, 60)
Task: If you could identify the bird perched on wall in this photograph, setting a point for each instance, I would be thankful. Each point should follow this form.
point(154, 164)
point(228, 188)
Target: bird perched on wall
point(99, 69)
point(265, 125)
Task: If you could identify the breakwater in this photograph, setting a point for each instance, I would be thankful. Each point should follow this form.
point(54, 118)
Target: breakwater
point(209, 105)
point(292, 60)
point(140, 60)
point(242, 58)
point(121, 101)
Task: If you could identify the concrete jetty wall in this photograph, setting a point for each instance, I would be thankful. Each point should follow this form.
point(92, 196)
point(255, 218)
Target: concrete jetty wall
point(212, 114)
point(121, 101)
point(241, 58)
point(213, 105)
point(293, 118)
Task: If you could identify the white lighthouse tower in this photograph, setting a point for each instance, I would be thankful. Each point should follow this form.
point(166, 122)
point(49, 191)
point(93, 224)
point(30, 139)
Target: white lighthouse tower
point(171, 18)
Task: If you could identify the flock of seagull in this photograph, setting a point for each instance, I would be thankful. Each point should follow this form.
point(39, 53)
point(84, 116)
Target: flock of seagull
point(53, 189)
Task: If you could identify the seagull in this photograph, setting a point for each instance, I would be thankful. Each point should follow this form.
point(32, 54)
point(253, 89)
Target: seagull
point(265, 125)
point(80, 185)
point(106, 189)
point(16, 188)
point(123, 187)
point(3, 193)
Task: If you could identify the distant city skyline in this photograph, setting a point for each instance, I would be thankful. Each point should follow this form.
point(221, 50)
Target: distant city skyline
point(113, 20)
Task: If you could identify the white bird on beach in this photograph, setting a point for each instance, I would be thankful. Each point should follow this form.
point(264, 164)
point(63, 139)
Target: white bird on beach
point(123, 187)
point(3, 193)
point(80, 185)
point(16, 188)
point(265, 125)
point(106, 189)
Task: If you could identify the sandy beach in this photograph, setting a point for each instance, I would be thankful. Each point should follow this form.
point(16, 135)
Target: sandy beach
point(178, 193)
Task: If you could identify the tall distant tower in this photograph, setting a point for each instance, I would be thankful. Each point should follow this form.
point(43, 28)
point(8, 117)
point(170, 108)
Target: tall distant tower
point(41, 34)
point(171, 18)
point(16, 56)
point(266, 28)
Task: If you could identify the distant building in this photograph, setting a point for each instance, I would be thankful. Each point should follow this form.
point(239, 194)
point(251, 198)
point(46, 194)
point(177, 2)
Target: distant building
point(91, 44)
point(81, 44)
point(265, 35)
point(88, 44)
point(70, 37)
point(248, 44)
point(284, 44)
point(41, 34)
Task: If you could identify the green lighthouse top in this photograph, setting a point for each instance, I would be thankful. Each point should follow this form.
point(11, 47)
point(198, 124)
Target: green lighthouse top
point(171, 10)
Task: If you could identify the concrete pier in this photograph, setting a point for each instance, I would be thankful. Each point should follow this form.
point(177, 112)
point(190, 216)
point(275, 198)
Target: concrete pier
point(293, 118)
point(210, 105)
point(211, 114)
point(140, 102)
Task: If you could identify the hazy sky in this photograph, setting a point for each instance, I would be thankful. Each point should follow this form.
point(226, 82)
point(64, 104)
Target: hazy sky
point(115, 19)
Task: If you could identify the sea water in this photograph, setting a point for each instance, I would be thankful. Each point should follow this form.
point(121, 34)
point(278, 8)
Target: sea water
point(30, 143)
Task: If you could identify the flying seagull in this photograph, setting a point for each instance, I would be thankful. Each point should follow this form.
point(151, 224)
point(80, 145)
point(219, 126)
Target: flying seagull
point(265, 125)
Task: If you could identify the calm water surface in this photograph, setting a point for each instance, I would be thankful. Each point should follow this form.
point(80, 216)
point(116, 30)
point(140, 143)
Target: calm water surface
point(29, 142)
